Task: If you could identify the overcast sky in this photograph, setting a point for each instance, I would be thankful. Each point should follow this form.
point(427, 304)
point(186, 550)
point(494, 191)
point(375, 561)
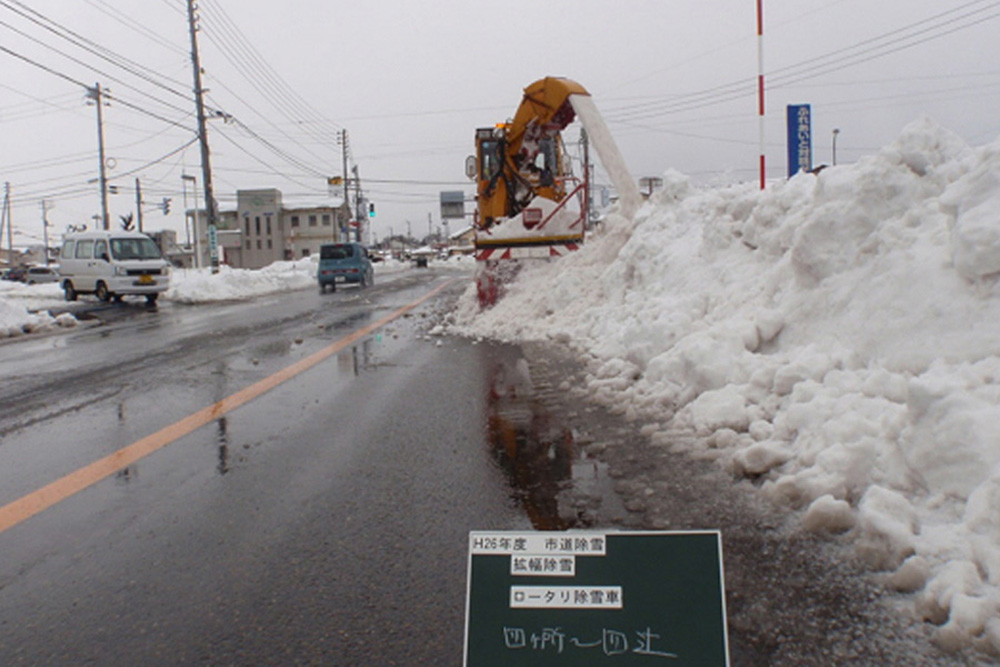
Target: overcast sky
point(411, 81)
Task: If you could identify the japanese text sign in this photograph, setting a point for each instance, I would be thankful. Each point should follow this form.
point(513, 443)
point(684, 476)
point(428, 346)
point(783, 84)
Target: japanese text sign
point(588, 598)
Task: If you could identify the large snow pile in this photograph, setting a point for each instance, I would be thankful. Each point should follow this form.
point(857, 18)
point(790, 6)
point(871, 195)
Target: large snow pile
point(835, 339)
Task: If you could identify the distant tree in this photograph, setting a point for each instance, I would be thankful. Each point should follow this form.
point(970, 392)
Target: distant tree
point(127, 222)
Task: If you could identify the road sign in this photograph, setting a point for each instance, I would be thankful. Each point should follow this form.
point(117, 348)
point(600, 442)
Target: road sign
point(213, 244)
point(799, 123)
point(589, 598)
point(452, 204)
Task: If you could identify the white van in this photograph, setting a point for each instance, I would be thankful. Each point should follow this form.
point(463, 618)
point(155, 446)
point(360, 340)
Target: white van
point(112, 265)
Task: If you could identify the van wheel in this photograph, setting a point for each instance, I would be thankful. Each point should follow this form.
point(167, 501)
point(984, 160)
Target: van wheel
point(69, 291)
point(102, 291)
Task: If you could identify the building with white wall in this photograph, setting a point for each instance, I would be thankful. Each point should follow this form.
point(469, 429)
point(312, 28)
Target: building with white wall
point(262, 231)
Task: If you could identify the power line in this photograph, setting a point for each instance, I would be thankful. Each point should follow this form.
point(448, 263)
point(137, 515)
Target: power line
point(238, 50)
point(918, 33)
point(104, 8)
point(130, 66)
point(258, 159)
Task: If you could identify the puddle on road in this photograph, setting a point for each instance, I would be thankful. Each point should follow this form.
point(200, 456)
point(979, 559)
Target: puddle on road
point(360, 357)
point(552, 477)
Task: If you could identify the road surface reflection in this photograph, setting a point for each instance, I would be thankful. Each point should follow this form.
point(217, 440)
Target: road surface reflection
point(535, 450)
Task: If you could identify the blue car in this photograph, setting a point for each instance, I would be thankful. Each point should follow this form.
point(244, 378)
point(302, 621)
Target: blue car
point(344, 263)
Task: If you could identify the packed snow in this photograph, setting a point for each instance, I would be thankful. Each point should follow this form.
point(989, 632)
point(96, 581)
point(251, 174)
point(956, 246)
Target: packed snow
point(835, 340)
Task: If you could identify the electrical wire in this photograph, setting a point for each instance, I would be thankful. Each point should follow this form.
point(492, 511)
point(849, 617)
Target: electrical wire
point(917, 33)
point(129, 22)
point(91, 47)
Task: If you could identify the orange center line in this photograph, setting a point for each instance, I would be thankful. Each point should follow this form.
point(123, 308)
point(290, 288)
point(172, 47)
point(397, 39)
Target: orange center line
point(45, 497)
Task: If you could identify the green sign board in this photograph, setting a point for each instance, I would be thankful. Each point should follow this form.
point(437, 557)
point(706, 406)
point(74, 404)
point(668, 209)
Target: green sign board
point(589, 598)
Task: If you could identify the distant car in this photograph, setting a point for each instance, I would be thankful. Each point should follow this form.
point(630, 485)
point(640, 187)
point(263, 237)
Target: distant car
point(16, 273)
point(41, 274)
point(344, 263)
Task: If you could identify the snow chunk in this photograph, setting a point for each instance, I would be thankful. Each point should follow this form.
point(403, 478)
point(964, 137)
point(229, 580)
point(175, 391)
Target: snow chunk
point(722, 408)
point(911, 575)
point(827, 514)
point(759, 458)
point(887, 523)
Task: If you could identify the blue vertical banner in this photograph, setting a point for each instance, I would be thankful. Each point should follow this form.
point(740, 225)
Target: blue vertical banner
point(799, 138)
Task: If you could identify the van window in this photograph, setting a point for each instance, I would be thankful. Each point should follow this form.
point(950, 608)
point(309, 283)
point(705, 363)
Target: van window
point(100, 249)
point(67, 250)
point(134, 248)
point(85, 250)
point(339, 251)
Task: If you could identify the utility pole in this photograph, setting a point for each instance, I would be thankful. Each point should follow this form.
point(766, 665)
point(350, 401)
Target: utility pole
point(206, 166)
point(96, 95)
point(343, 150)
point(6, 217)
point(138, 204)
point(45, 228)
point(585, 140)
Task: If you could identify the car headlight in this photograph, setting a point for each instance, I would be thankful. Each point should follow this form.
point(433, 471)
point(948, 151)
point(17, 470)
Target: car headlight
point(121, 271)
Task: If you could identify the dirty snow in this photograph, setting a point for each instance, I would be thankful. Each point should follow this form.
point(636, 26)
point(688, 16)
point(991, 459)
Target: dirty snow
point(834, 340)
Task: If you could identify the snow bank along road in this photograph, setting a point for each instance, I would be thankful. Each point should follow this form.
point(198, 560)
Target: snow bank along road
point(832, 341)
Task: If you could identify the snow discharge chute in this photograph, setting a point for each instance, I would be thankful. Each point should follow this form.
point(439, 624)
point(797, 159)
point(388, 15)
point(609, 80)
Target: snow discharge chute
point(629, 198)
point(529, 204)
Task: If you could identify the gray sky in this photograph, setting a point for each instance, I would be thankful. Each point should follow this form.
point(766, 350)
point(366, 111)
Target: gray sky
point(411, 81)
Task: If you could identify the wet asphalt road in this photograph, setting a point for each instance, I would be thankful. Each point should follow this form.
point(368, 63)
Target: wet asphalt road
point(326, 522)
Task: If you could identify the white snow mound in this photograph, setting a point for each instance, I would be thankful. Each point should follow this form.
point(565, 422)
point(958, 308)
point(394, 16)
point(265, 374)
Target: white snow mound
point(838, 333)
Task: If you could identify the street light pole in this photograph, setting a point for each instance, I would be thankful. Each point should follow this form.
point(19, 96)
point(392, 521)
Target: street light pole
point(197, 231)
point(835, 133)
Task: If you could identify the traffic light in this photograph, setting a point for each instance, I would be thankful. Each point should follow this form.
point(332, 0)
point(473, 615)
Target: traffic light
point(165, 205)
point(371, 209)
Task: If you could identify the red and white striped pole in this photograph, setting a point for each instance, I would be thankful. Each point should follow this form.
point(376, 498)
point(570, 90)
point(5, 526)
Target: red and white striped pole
point(760, 87)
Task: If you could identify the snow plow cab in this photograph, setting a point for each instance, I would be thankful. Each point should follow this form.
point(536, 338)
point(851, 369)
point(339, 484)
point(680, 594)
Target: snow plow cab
point(529, 203)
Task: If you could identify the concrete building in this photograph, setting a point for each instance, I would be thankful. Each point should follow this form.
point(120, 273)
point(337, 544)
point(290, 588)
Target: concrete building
point(262, 231)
